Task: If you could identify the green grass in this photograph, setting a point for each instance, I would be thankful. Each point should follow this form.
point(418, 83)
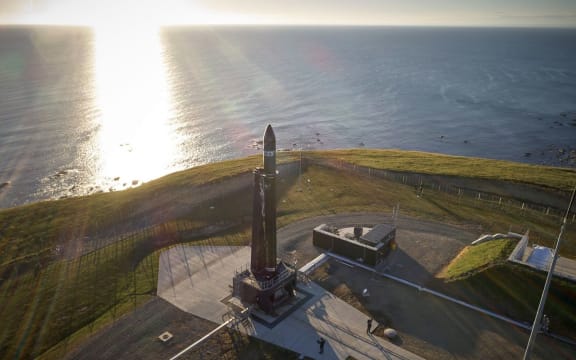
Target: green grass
point(514, 291)
point(30, 234)
point(475, 258)
point(47, 302)
point(45, 307)
point(440, 164)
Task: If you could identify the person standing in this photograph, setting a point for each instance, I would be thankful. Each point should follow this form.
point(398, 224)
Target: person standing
point(321, 342)
point(369, 326)
point(546, 323)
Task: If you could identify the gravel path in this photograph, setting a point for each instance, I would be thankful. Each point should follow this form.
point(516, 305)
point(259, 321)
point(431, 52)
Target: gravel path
point(424, 247)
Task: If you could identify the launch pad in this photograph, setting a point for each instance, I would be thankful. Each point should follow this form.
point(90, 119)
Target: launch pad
point(270, 282)
point(268, 294)
point(282, 310)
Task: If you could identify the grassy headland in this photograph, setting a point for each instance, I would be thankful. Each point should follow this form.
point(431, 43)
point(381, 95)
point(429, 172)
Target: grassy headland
point(439, 164)
point(54, 293)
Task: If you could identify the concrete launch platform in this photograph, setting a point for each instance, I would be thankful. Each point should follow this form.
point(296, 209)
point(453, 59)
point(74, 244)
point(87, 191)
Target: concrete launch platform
point(198, 280)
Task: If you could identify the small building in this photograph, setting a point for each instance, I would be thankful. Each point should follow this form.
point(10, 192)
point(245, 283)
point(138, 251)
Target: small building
point(369, 245)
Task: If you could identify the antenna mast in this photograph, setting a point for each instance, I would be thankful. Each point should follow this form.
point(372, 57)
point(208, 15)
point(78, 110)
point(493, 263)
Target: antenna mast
point(538, 318)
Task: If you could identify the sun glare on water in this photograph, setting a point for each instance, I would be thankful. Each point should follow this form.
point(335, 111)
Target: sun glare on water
point(135, 142)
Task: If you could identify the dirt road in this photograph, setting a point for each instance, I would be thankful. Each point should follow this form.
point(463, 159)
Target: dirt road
point(424, 247)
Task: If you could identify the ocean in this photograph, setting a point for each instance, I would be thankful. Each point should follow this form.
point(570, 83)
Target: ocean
point(84, 111)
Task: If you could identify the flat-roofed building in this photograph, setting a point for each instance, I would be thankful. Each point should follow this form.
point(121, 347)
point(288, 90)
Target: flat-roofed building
point(366, 244)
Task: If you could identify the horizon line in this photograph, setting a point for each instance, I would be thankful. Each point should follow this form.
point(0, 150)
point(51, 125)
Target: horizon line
point(454, 26)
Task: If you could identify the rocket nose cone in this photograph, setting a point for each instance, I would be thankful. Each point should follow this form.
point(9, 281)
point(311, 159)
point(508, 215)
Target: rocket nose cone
point(269, 138)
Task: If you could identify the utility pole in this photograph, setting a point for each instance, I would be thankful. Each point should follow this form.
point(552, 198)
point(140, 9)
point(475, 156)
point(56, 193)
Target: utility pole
point(536, 325)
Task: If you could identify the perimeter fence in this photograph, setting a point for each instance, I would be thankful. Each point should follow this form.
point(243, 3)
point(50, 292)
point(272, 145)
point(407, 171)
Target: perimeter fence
point(428, 183)
point(110, 277)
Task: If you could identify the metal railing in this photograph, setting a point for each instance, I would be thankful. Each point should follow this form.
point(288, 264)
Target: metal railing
point(262, 284)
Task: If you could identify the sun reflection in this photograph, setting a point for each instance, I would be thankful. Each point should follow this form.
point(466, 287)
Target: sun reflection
point(136, 142)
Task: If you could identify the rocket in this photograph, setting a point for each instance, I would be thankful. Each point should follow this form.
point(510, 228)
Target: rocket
point(263, 256)
point(270, 198)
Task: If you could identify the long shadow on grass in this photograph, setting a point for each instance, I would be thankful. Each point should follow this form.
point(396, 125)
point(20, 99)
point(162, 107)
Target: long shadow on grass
point(515, 291)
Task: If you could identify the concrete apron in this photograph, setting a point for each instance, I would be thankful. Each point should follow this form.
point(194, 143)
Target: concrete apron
point(198, 280)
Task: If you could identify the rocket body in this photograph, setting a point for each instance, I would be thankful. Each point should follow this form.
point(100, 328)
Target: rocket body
point(269, 185)
point(258, 249)
point(263, 261)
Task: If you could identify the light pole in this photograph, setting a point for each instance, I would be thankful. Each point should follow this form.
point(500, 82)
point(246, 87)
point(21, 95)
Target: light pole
point(537, 320)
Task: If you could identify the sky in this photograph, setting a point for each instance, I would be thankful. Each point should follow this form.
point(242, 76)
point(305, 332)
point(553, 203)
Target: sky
point(523, 13)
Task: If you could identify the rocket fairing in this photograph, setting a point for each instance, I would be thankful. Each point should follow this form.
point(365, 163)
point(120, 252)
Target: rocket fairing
point(269, 151)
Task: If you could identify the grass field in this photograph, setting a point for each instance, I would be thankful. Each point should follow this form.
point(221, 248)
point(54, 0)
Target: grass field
point(476, 258)
point(438, 164)
point(47, 301)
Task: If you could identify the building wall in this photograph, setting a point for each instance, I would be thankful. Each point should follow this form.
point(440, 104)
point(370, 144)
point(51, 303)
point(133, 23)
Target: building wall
point(353, 250)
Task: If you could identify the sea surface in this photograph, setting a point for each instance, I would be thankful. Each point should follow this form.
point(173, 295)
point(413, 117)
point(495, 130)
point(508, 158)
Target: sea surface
point(84, 110)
